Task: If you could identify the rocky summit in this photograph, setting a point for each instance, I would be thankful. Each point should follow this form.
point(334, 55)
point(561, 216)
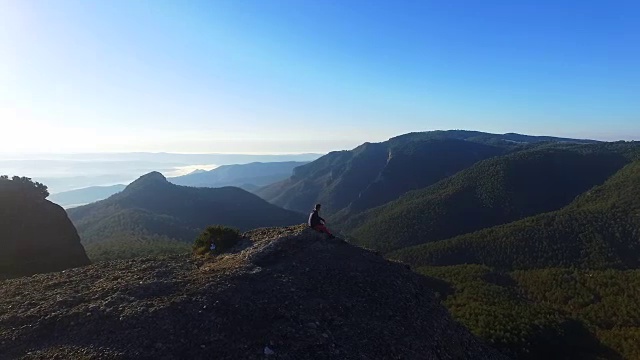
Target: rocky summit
point(36, 236)
point(281, 293)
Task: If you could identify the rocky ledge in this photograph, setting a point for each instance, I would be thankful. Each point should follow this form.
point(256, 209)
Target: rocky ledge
point(285, 293)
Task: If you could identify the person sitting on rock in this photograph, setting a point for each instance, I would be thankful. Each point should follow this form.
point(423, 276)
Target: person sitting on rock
point(317, 223)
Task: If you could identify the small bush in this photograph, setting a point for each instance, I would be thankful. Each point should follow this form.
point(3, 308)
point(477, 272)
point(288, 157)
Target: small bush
point(222, 237)
point(22, 185)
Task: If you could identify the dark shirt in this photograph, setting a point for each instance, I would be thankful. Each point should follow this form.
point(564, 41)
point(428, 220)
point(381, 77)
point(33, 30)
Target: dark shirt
point(315, 219)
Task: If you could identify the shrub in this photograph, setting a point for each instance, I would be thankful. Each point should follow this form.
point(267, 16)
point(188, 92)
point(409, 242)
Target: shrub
point(222, 237)
point(22, 186)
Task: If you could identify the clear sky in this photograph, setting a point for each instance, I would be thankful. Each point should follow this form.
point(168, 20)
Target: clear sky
point(280, 76)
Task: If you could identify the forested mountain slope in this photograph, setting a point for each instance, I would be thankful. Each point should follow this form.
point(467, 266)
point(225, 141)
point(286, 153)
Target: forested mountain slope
point(349, 182)
point(600, 229)
point(155, 212)
point(372, 174)
point(492, 192)
point(546, 313)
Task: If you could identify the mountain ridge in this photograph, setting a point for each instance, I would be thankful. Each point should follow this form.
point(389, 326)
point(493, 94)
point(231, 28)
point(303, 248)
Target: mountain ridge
point(491, 192)
point(341, 179)
point(351, 181)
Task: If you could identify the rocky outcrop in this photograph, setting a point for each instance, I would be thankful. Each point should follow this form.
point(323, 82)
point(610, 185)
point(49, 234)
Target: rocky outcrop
point(282, 293)
point(36, 236)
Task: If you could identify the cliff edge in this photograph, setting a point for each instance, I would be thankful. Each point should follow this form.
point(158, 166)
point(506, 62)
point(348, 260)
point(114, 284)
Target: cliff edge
point(36, 236)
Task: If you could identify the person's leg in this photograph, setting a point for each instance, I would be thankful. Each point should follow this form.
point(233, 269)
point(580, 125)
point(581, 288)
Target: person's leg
point(323, 229)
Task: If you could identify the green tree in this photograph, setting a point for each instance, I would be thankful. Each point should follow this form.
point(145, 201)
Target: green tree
point(23, 186)
point(222, 237)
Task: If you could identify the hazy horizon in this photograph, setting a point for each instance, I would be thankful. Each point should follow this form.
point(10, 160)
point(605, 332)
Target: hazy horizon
point(54, 155)
point(75, 171)
point(57, 155)
point(310, 76)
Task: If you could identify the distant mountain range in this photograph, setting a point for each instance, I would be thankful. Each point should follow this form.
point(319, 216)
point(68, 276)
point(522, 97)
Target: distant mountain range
point(250, 177)
point(153, 212)
point(247, 176)
point(349, 182)
point(85, 196)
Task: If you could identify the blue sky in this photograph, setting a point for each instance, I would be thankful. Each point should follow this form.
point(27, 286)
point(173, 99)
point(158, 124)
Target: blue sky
point(278, 76)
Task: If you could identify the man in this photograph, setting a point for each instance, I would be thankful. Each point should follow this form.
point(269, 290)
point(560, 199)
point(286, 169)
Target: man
point(317, 223)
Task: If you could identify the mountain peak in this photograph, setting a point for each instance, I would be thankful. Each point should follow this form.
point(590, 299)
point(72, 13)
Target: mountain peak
point(153, 176)
point(150, 179)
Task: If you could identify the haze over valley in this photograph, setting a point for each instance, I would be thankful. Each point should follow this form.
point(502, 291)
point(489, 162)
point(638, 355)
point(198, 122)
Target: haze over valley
point(65, 172)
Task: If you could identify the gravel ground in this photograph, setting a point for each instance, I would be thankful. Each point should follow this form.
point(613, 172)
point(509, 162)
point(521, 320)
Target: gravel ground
point(282, 293)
